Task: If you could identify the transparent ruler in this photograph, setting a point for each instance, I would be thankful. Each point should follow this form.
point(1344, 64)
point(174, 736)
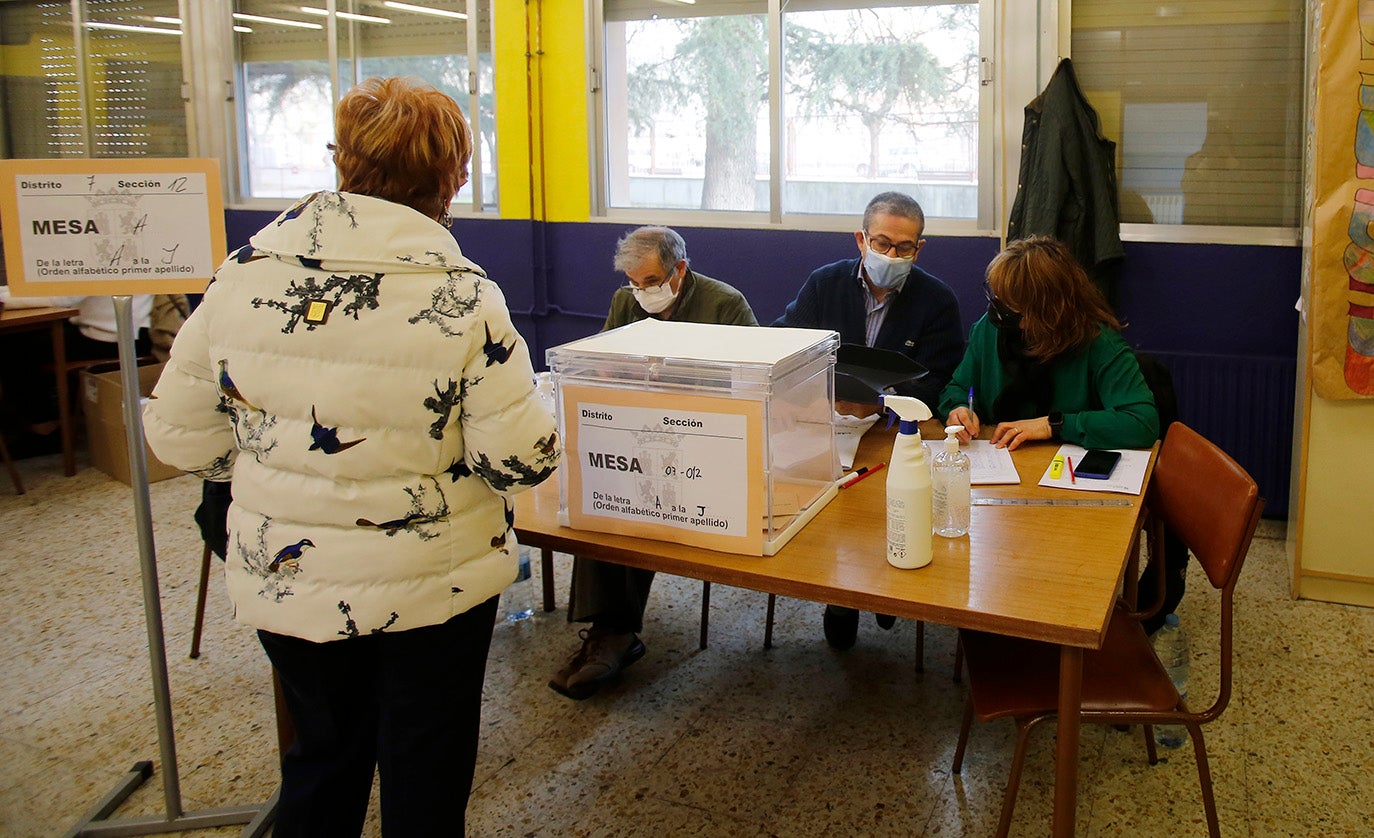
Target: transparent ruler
point(1051, 502)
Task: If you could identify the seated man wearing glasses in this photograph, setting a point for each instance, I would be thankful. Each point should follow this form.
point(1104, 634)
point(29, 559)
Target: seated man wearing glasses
point(610, 596)
point(882, 300)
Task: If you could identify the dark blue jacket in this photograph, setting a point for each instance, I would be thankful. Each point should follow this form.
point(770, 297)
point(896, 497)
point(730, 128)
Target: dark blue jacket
point(922, 321)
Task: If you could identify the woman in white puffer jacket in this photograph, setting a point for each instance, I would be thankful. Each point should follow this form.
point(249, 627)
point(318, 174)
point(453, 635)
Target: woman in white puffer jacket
point(362, 384)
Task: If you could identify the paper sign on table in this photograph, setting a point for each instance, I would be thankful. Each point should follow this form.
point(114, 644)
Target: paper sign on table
point(1127, 478)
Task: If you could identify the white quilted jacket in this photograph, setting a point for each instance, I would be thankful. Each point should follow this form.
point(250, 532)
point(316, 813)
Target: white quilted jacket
point(362, 382)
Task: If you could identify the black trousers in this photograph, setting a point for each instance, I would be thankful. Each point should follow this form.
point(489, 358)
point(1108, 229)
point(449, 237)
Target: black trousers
point(406, 704)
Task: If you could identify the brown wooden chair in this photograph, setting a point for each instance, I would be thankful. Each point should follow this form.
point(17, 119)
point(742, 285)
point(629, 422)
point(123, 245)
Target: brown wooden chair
point(201, 590)
point(1214, 506)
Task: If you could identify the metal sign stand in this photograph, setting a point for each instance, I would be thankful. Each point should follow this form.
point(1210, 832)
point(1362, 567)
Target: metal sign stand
point(94, 822)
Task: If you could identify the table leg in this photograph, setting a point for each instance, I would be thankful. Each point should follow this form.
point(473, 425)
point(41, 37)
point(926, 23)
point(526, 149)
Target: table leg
point(1066, 753)
point(546, 576)
point(64, 406)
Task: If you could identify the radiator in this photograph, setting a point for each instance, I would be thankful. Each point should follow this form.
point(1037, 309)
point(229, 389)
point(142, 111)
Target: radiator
point(1243, 404)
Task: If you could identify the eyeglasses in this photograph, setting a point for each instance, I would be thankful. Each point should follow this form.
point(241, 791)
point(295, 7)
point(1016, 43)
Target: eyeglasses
point(647, 284)
point(885, 246)
point(987, 291)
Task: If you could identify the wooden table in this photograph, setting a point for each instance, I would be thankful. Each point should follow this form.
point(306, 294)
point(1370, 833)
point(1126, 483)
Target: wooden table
point(1048, 573)
point(28, 319)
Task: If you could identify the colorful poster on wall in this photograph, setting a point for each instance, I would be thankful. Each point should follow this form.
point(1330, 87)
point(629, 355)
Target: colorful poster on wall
point(1340, 304)
point(104, 227)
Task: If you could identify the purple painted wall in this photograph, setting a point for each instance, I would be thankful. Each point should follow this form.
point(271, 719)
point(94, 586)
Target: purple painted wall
point(1205, 310)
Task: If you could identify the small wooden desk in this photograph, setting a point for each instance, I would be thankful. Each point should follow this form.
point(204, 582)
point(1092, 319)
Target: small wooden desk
point(29, 319)
point(1048, 573)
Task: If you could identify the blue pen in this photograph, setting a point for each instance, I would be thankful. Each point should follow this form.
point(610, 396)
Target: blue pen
point(970, 401)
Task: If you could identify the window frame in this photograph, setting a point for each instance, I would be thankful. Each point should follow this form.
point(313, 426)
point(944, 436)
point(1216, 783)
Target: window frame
point(1015, 39)
point(774, 217)
point(218, 83)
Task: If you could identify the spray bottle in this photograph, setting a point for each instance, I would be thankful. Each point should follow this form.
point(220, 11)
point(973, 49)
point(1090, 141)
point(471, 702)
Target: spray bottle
point(908, 488)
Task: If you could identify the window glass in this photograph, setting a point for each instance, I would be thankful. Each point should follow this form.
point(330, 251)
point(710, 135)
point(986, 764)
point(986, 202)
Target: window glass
point(687, 106)
point(285, 114)
point(124, 102)
point(881, 98)
point(434, 48)
point(1205, 103)
point(873, 95)
point(288, 103)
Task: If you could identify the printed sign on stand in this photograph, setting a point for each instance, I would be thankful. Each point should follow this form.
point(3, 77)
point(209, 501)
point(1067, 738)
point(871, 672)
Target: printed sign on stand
point(678, 473)
point(107, 227)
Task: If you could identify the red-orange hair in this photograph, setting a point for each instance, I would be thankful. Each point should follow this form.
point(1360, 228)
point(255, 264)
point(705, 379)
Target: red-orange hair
point(1061, 310)
point(403, 141)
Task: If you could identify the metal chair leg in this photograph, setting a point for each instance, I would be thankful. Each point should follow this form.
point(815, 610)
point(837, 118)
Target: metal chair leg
point(1018, 762)
point(1204, 776)
point(963, 735)
point(200, 602)
point(920, 646)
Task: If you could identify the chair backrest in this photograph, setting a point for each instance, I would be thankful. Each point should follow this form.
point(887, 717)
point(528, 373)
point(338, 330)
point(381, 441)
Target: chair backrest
point(1208, 500)
point(1213, 505)
point(1161, 383)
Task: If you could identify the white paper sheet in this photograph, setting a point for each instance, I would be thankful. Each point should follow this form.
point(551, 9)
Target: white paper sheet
point(848, 431)
point(1127, 478)
point(990, 465)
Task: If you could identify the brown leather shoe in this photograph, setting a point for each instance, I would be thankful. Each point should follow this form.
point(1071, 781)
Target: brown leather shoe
point(602, 657)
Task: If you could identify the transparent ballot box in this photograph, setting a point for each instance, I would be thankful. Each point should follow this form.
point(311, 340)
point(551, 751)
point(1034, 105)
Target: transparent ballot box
point(715, 436)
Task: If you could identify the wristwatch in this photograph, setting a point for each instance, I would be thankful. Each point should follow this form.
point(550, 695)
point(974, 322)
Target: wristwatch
point(1056, 424)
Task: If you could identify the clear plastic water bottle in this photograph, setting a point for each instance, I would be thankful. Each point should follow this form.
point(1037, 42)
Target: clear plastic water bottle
point(517, 595)
point(950, 475)
point(1171, 645)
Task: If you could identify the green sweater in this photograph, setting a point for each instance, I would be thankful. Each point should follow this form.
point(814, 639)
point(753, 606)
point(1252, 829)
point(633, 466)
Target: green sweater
point(1100, 391)
point(700, 299)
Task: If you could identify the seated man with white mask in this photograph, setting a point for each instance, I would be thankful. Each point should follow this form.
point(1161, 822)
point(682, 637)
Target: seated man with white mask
point(612, 597)
point(881, 299)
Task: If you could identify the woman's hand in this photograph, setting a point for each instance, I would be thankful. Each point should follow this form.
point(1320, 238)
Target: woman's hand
point(968, 419)
point(1010, 435)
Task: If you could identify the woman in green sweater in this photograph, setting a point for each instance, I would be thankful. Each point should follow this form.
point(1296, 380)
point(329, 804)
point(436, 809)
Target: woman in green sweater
point(1048, 361)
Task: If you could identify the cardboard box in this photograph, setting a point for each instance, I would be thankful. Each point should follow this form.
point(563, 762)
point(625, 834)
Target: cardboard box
point(102, 398)
point(715, 436)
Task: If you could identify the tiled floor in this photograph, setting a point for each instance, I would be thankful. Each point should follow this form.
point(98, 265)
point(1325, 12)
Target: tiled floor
point(734, 740)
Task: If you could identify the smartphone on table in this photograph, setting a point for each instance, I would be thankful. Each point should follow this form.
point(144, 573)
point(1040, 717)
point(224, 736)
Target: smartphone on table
point(1096, 464)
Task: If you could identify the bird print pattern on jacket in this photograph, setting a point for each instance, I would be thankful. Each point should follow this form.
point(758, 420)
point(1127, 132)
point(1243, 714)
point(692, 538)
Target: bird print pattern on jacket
point(388, 421)
point(443, 401)
point(227, 388)
point(361, 289)
point(496, 351)
point(458, 297)
point(262, 562)
point(327, 439)
point(425, 508)
point(220, 469)
point(289, 556)
point(253, 432)
point(350, 628)
point(247, 254)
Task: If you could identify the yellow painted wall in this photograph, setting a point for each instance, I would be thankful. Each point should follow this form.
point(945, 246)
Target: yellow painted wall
point(1336, 559)
point(541, 119)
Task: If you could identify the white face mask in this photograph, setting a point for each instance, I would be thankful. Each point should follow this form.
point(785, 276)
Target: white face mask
point(656, 299)
point(886, 271)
